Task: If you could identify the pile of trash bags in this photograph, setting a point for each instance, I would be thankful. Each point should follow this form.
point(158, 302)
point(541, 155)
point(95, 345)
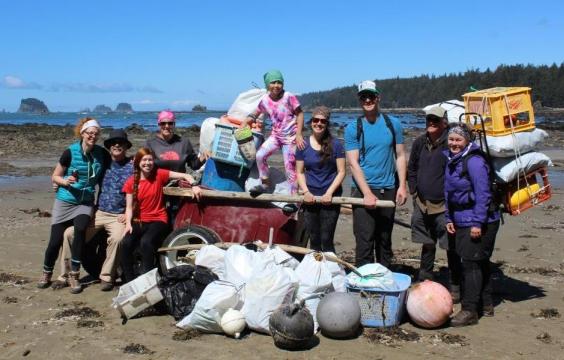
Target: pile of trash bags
point(254, 283)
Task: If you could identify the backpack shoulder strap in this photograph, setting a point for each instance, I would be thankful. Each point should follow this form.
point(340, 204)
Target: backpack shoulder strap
point(359, 135)
point(391, 128)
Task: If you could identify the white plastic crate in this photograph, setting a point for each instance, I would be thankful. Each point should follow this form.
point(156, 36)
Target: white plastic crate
point(226, 149)
point(138, 294)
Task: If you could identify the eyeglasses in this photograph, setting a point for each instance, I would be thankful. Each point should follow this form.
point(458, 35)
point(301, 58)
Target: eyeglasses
point(368, 97)
point(318, 120)
point(165, 123)
point(92, 133)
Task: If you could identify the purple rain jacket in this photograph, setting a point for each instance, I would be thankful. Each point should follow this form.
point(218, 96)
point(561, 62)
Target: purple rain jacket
point(468, 197)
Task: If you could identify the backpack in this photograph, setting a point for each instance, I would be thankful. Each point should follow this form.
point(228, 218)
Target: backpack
point(495, 188)
point(360, 134)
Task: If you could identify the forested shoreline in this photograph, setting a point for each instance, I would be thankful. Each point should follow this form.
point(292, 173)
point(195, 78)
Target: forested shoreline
point(546, 81)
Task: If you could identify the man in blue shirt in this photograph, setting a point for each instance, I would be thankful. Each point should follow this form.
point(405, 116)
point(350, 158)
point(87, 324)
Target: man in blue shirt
point(110, 213)
point(376, 156)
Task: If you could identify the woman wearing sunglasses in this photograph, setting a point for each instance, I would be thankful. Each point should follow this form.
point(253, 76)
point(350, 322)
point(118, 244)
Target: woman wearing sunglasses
point(320, 170)
point(76, 175)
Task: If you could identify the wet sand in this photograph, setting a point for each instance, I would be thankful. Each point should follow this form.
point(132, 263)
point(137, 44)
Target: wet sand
point(529, 262)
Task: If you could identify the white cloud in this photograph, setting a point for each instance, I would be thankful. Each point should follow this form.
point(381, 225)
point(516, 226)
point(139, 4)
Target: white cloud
point(186, 102)
point(145, 102)
point(14, 82)
point(101, 88)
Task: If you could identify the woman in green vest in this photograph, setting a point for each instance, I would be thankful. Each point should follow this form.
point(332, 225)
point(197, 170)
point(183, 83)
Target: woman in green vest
point(77, 173)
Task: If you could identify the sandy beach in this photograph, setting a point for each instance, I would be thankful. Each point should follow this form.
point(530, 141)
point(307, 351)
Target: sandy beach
point(53, 324)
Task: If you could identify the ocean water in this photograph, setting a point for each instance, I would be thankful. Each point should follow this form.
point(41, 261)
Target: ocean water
point(183, 119)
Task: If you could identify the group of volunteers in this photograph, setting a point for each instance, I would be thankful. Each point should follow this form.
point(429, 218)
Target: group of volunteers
point(446, 176)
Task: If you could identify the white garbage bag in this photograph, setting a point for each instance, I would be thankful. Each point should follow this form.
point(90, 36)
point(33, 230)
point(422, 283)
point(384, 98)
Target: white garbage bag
point(213, 258)
point(207, 133)
point(315, 280)
point(239, 264)
point(246, 103)
point(216, 299)
point(374, 276)
point(268, 289)
point(507, 169)
point(338, 275)
point(281, 257)
point(523, 141)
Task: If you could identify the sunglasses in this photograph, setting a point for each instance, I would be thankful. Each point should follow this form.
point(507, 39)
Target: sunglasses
point(117, 143)
point(318, 120)
point(433, 119)
point(165, 123)
point(368, 97)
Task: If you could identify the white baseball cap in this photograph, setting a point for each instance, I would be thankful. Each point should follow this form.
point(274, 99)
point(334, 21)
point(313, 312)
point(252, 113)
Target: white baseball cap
point(368, 86)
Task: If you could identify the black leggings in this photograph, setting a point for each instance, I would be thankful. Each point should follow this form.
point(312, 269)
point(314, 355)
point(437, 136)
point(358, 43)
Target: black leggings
point(148, 236)
point(80, 224)
point(320, 221)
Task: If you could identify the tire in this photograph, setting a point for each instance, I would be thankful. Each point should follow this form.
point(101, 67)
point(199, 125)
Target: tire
point(192, 234)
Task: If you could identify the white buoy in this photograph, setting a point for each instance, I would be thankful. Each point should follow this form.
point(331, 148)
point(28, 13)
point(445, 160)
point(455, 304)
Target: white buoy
point(233, 323)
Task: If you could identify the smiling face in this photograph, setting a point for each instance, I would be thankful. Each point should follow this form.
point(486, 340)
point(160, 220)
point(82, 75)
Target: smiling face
point(456, 143)
point(146, 165)
point(318, 125)
point(166, 129)
point(117, 150)
point(275, 89)
point(90, 136)
point(435, 125)
point(369, 101)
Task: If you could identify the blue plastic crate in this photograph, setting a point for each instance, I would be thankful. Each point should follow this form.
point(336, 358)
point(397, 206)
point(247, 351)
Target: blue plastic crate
point(225, 177)
point(382, 308)
point(226, 149)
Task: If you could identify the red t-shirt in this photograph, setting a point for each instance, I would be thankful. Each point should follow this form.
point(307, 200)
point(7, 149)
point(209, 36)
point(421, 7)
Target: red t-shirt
point(150, 196)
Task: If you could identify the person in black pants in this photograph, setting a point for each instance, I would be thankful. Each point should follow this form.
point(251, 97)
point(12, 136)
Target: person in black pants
point(471, 216)
point(425, 177)
point(320, 170)
point(376, 156)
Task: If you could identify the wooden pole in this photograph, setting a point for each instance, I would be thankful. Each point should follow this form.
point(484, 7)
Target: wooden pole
point(178, 191)
point(287, 248)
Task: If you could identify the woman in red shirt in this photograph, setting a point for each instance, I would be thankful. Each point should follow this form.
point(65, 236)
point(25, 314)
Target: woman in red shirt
point(146, 217)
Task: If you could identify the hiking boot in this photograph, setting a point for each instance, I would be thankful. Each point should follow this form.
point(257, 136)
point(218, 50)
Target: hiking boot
point(488, 310)
point(455, 293)
point(464, 318)
point(45, 280)
point(106, 286)
point(74, 282)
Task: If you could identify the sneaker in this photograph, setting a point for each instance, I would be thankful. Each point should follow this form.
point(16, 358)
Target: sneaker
point(290, 208)
point(488, 310)
point(106, 286)
point(455, 293)
point(74, 282)
point(464, 318)
point(45, 280)
point(259, 189)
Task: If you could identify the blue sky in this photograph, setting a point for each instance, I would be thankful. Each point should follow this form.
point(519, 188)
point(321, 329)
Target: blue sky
point(175, 54)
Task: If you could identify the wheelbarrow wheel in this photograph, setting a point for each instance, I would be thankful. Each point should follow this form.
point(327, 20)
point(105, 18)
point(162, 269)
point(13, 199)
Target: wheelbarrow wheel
point(192, 234)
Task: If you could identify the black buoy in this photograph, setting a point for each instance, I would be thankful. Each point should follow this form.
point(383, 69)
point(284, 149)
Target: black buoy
point(291, 326)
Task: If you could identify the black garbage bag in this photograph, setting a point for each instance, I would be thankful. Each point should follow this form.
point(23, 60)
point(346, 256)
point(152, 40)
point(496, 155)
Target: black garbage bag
point(182, 286)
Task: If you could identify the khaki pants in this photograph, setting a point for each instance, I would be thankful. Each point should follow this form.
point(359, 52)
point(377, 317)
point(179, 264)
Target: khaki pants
point(115, 229)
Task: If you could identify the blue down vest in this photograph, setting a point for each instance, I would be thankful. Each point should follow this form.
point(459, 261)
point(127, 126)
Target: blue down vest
point(89, 167)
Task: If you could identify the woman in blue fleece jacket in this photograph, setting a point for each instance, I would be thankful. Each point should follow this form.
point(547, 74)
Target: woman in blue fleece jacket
point(473, 221)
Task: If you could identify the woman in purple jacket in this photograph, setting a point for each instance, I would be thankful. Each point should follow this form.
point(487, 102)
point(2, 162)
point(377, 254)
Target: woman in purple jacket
point(474, 221)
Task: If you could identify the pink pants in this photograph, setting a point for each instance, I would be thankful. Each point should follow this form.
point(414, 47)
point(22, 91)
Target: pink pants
point(272, 144)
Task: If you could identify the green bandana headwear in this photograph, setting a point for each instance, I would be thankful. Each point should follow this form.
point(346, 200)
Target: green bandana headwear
point(273, 75)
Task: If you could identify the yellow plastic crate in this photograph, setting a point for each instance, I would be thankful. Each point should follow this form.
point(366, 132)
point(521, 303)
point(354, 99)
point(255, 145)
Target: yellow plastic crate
point(503, 109)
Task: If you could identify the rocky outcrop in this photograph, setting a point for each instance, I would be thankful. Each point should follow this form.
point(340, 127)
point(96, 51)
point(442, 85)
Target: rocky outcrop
point(32, 105)
point(102, 109)
point(124, 108)
point(199, 108)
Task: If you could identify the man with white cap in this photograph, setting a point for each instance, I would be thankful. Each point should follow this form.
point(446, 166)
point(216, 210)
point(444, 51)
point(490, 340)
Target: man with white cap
point(376, 156)
point(425, 176)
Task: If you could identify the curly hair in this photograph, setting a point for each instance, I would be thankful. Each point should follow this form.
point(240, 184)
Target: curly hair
point(137, 177)
point(79, 124)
